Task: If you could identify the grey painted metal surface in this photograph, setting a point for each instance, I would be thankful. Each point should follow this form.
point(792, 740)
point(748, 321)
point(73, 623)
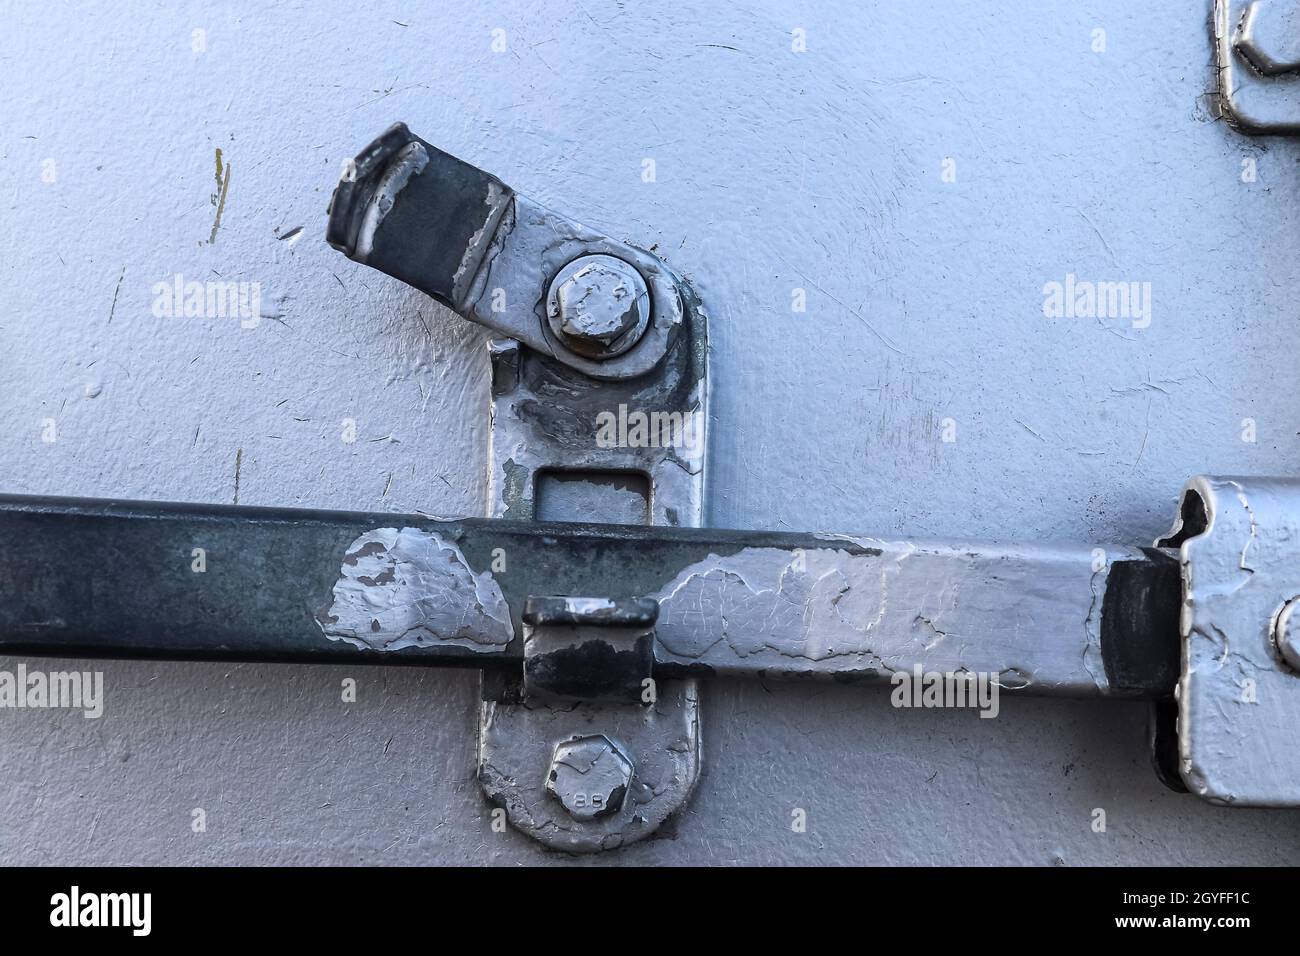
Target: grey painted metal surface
point(824, 171)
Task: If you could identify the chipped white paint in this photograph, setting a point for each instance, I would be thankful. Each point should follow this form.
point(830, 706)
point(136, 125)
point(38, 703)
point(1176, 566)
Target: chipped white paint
point(498, 200)
point(409, 162)
point(1031, 615)
point(412, 588)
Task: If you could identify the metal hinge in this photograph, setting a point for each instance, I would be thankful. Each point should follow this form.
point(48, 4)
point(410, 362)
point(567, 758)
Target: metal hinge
point(594, 603)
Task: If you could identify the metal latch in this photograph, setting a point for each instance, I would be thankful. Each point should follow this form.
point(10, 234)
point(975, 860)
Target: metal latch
point(593, 328)
point(591, 599)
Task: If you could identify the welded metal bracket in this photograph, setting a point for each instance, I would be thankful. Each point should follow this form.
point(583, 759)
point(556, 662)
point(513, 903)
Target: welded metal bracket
point(1238, 541)
point(1257, 58)
point(601, 334)
point(599, 410)
point(562, 448)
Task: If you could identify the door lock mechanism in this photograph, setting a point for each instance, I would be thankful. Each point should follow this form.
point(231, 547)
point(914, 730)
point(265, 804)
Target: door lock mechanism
point(592, 600)
point(590, 327)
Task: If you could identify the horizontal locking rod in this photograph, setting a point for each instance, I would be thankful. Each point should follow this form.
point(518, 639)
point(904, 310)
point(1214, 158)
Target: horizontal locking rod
point(104, 578)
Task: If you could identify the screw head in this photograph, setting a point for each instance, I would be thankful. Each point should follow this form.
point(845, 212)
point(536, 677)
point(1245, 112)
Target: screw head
point(598, 305)
point(1286, 632)
point(589, 776)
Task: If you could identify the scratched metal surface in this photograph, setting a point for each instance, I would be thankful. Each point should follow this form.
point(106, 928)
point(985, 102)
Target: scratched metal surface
point(774, 170)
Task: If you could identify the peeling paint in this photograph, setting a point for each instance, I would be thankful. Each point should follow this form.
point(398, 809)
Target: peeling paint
point(411, 588)
point(498, 200)
point(892, 605)
point(409, 162)
point(1238, 700)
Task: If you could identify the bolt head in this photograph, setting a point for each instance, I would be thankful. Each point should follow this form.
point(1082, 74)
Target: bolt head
point(1286, 633)
point(590, 776)
point(598, 306)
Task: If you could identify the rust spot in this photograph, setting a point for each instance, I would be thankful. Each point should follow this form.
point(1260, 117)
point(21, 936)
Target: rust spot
point(369, 548)
point(387, 576)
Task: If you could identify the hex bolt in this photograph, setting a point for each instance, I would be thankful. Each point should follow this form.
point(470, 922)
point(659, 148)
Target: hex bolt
point(1268, 37)
point(590, 776)
point(598, 305)
point(1286, 632)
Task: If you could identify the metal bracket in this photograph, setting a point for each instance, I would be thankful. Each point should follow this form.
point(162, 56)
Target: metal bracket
point(1239, 690)
point(603, 338)
point(1257, 53)
point(561, 450)
point(499, 259)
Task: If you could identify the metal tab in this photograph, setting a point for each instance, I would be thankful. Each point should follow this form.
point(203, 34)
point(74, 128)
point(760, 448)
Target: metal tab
point(589, 649)
point(1238, 699)
point(467, 239)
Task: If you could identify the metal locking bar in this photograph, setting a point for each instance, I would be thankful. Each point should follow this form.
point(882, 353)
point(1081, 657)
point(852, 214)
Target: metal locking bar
point(115, 579)
point(608, 685)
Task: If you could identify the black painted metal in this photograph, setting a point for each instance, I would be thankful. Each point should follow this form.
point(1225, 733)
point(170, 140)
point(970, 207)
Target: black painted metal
point(584, 650)
point(547, 610)
point(1140, 643)
point(423, 239)
point(106, 578)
